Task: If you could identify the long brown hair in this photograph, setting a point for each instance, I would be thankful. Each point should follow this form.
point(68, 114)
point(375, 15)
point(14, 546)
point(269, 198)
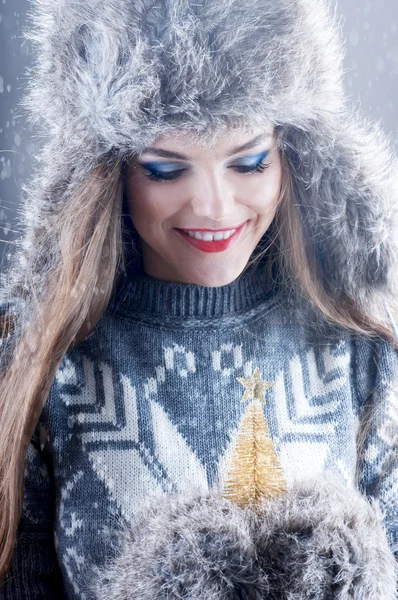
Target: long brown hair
point(75, 294)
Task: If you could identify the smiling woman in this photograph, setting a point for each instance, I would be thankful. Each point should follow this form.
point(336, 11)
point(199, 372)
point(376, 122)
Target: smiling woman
point(208, 212)
point(201, 217)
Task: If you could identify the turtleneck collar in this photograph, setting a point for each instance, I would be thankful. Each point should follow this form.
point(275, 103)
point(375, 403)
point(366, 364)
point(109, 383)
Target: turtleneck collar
point(141, 294)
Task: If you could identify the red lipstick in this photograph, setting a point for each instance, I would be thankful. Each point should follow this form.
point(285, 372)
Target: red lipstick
point(215, 245)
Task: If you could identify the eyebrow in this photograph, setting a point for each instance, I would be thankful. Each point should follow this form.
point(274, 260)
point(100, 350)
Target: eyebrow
point(171, 154)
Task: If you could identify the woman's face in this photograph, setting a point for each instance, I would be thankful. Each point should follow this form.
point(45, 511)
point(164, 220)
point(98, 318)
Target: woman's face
point(176, 186)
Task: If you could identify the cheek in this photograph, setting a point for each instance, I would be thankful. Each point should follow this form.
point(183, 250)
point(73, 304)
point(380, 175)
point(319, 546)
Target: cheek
point(263, 197)
point(160, 206)
point(149, 208)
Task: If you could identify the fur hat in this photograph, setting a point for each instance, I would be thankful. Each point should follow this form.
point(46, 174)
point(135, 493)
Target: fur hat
point(109, 77)
point(320, 541)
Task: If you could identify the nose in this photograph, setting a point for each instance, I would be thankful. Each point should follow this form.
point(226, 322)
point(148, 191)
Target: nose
point(213, 199)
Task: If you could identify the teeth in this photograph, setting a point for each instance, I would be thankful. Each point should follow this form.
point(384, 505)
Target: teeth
point(210, 237)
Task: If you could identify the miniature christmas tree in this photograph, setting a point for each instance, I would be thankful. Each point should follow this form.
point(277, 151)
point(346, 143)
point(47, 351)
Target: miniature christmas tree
point(255, 474)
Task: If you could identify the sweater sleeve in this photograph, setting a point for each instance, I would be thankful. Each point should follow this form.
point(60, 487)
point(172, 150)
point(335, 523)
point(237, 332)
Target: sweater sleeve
point(378, 457)
point(34, 573)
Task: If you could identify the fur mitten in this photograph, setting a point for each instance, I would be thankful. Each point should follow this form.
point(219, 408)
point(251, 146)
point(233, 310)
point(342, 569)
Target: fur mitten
point(320, 541)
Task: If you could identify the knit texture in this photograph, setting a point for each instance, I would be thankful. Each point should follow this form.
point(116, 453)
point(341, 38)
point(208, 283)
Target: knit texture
point(149, 404)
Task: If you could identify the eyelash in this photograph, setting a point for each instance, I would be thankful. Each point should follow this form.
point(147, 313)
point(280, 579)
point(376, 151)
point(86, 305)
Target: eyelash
point(258, 168)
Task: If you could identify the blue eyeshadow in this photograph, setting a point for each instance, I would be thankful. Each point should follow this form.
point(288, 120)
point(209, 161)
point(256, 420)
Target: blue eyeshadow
point(161, 166)
point(170, 167)
point(253, 159)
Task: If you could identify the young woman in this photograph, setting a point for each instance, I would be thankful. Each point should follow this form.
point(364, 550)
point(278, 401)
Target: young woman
point(207, 211)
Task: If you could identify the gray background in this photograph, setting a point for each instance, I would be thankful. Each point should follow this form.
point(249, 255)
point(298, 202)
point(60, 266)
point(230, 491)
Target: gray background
point(371, 78)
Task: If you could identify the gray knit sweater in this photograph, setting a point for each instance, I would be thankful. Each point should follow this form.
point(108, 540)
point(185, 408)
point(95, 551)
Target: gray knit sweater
point(150, 401)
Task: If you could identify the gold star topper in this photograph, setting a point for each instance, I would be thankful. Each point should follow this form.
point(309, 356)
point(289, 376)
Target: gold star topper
point(255, 387)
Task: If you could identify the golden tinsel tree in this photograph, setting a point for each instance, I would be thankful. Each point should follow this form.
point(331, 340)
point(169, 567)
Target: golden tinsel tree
point(255, 473)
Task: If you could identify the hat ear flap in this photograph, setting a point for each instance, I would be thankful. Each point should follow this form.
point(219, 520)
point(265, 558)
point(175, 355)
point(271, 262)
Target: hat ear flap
point(345, 182)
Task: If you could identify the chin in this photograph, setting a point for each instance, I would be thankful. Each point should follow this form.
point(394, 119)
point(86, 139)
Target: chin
point(216, 277)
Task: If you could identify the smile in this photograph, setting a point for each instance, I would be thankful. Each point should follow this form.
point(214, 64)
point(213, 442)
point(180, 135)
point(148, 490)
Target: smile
point(210, 240)
point(211, 237)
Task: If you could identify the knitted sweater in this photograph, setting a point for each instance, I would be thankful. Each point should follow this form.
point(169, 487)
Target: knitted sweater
point(150, 403)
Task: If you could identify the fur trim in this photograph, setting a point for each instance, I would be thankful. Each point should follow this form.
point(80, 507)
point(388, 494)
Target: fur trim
point(187, 547)
point(320, 541)
point(324, 541)
point(112, 75)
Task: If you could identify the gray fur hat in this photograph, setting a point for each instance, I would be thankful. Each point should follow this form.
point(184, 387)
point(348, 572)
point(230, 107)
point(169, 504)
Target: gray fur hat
point(320, 541)
point(110, 76)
